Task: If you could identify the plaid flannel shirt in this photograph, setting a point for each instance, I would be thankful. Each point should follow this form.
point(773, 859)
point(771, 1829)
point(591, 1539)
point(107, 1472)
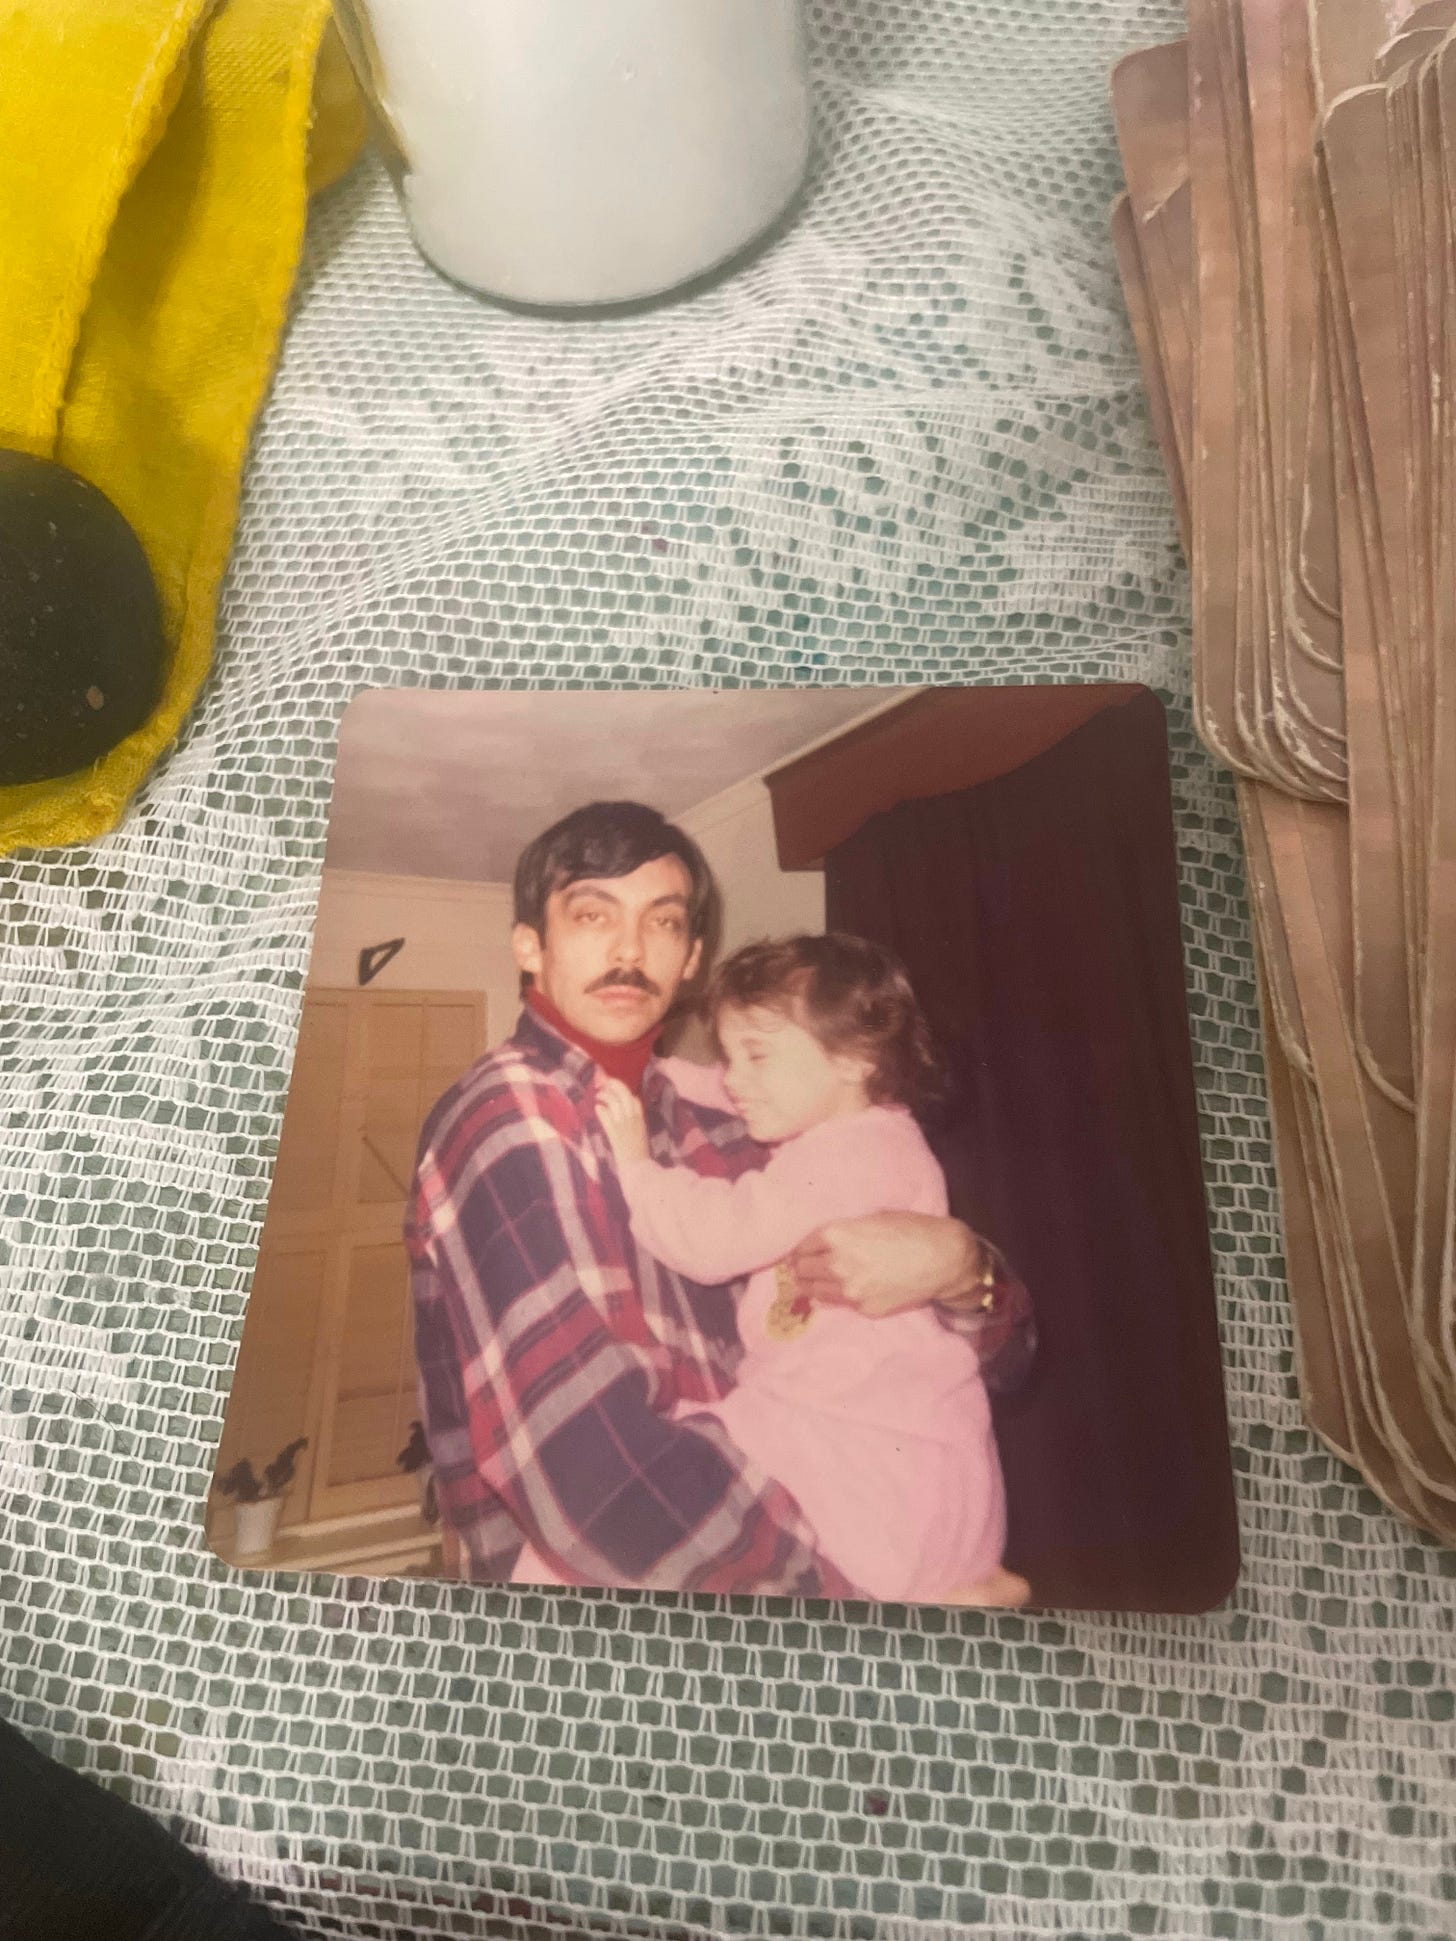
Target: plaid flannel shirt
point(552, 1349)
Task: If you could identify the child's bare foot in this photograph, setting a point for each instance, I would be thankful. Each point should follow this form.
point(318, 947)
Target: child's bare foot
point(1003, 1590)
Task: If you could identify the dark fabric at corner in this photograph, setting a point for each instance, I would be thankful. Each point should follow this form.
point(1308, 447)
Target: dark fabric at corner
point(79, 1864)
point(1038, 917)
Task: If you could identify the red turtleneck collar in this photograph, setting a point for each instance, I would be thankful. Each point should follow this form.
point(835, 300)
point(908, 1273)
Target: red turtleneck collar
point(627, 1062)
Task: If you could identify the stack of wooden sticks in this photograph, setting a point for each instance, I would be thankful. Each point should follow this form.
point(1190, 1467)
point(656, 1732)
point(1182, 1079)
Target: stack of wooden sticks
point(1288, 247)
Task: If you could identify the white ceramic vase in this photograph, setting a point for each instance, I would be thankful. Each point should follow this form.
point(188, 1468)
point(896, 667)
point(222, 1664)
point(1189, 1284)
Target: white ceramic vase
point(586, 152)
point(256, 1526)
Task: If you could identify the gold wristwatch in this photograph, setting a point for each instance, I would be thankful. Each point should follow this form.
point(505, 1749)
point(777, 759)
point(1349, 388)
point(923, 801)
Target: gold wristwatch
point(981, 1294)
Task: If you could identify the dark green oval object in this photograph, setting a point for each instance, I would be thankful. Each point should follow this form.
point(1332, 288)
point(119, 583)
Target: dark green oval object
point(81, 646)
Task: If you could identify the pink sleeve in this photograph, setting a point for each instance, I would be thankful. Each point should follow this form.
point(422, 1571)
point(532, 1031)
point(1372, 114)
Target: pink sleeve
point(718, 1229)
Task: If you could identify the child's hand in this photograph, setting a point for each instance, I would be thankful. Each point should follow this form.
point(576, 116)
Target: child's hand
point(622, 1120)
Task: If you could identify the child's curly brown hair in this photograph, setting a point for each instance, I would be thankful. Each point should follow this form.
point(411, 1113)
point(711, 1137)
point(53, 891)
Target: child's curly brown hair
point(853, 996)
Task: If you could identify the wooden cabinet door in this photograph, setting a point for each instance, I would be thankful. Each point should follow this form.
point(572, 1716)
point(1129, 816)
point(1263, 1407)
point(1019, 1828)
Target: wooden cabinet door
point(370, 1387)
point(328, 1350)
point(273, 1386)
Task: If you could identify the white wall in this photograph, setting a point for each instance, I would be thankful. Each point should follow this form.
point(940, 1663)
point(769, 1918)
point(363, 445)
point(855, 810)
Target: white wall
point(457, 938)
point(735, 832)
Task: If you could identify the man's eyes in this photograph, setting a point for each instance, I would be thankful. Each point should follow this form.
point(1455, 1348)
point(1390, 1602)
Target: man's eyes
point(596, 914)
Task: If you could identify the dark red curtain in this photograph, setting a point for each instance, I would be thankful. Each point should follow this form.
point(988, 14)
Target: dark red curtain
point(1037, 914)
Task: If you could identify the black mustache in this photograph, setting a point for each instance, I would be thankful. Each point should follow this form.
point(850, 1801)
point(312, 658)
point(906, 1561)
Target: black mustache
point(625, 980)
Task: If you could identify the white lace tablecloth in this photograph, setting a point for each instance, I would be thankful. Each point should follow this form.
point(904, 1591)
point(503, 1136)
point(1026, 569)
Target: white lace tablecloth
point(907, 442)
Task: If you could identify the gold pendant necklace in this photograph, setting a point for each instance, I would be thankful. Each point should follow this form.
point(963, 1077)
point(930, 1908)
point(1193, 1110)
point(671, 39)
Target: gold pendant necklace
point(790, 1311)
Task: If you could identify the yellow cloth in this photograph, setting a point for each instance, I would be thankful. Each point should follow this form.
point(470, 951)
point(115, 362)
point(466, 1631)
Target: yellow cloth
point(156, 158)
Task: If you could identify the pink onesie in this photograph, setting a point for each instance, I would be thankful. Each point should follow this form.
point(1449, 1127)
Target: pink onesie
point(880, 1429)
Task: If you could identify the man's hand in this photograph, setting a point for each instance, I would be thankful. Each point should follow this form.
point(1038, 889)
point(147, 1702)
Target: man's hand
point(884, 1263)
point(622, 1120)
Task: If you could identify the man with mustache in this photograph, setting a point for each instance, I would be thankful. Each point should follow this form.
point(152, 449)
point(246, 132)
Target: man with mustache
point(552, 1350)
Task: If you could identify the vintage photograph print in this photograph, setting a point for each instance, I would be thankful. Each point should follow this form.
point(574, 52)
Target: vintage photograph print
point(743, 1142)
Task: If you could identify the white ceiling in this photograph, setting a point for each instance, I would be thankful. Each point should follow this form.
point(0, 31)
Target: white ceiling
point(436, 783)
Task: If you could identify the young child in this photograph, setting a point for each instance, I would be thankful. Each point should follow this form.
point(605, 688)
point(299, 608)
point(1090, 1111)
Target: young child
point(880, 1428)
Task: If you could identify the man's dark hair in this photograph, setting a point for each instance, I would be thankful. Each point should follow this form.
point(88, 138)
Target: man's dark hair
point(853, 995)
point(607, 839)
